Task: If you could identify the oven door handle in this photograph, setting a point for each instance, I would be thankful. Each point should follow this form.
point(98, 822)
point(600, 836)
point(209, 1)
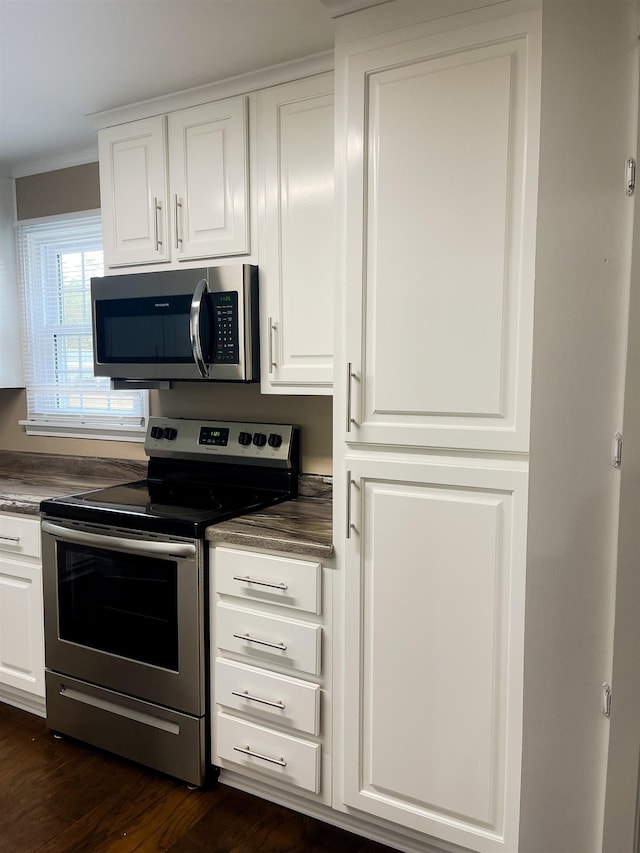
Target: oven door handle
point(120, 543)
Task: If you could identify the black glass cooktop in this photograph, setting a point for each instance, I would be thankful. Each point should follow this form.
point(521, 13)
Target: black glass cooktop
point(175, 509)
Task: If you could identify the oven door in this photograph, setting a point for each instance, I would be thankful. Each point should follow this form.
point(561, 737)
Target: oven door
point(126, 611)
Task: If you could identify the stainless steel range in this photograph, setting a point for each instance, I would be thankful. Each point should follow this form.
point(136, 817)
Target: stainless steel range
point(126, 586)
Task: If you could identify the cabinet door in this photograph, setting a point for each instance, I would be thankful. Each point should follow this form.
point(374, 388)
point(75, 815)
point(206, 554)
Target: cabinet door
point(434, 592)
point(21, 625)
point(133, 192)
point(295, 145)
point(440, 142)
point(208, 180)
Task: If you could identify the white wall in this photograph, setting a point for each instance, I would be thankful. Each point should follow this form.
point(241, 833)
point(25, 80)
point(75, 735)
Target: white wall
point(582, 277)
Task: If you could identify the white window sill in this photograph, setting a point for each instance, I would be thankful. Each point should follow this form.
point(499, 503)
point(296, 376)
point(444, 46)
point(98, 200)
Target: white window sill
point(106, 432)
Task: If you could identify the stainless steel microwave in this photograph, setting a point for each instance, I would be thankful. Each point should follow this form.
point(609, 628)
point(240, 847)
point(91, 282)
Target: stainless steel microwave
point(197, 324)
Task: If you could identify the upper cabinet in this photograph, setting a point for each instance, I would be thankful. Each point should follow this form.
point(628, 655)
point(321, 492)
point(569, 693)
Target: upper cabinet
point(296, 226)
point(441, 159)
point(185, 186)
point(174, 188)
point(10, 360)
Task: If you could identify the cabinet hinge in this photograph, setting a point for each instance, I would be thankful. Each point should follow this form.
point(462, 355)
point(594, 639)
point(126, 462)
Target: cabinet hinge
point(631, 176)
point(616, 457)
point(606, 700)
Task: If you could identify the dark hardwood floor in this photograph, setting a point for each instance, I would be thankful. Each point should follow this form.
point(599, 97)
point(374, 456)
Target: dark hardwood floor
point(58, 796)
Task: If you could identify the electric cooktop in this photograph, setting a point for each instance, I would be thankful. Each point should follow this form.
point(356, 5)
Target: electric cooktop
point(199, 473)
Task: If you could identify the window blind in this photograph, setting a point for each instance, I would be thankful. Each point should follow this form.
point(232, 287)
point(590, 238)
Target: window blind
point(58, 256)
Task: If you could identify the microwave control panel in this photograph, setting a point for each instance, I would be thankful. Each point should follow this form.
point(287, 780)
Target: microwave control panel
point(226, 338)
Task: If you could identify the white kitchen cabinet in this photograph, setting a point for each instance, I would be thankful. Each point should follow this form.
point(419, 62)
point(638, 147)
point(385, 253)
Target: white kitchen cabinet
point(133, 192)
point(208, 180)
point(295, 173)
point(440, 156)
point(21, 611)
point(481, 725)
point(174, 188)
point(10, 358)
point(437, 130)
point(271, 671)
point(434, 592)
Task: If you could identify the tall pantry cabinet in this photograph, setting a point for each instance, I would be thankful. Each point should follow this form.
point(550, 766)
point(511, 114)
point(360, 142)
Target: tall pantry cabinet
point(438, 113)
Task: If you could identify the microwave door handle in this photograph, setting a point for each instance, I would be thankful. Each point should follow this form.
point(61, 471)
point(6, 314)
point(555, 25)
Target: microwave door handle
point(201, 289)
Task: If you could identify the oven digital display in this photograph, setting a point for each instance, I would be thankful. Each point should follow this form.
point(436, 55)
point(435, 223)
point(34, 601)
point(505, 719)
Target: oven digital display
point(214, 435)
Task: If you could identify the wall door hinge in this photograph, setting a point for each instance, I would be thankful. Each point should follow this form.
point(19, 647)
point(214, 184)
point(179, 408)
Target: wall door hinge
point(631, 176)
point(606, 700)
point(616, 456)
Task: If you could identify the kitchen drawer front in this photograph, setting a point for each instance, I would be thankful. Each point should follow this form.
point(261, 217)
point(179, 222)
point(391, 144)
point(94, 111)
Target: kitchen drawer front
point(275, 698)
point(272, 579)
point(290, 759)
point(20, 535)
point(274, 639)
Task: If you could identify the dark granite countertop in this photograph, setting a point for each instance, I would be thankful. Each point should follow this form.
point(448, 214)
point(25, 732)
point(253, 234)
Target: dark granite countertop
point(28, 478)
point(301, 526)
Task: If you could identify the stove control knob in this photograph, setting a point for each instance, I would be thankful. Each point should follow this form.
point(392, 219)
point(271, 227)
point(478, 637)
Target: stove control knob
point(275, 440)
point(259, 439)
point(244, 438)
point(170, 433)
point(157, 432)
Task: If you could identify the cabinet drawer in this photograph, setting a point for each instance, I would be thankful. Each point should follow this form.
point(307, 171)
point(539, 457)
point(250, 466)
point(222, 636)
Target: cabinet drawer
point(276, 698)
point(282, 641)
point(287, 758)
point(20, 535)
point(262, 577)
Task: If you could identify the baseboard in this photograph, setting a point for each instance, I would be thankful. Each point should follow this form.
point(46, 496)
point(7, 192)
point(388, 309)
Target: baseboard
point(412, 843)
point(23, 700)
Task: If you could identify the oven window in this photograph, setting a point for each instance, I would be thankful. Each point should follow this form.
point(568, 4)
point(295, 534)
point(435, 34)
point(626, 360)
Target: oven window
point(121, 603)
point(148, 331)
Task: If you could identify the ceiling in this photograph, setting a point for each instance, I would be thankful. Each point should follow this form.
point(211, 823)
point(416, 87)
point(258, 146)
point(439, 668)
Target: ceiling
point(61, 60)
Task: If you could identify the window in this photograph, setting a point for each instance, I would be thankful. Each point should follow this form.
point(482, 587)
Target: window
point(58, 257)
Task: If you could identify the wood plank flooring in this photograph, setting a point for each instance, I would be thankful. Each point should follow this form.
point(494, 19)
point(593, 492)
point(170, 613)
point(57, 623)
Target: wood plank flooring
point(65, 797)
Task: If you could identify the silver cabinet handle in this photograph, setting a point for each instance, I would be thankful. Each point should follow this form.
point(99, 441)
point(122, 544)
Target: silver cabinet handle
point(201, 289)
point(272, 329)
point(245, 695)
point(350, 377)
point(279, 761)
point(249, 639)
point(350, 525)
point(14, 539)
point(177, 206)
point(247, 579)
point(157, 207)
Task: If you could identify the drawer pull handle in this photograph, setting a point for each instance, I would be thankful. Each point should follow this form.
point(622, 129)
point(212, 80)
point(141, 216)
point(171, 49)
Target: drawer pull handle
point(15, 539)
point(279, 761)
point(280, 646)
point(245, 695)
point(247, 579)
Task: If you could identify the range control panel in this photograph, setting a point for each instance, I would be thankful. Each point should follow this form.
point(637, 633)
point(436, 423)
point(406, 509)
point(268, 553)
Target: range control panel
point(231, 441)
